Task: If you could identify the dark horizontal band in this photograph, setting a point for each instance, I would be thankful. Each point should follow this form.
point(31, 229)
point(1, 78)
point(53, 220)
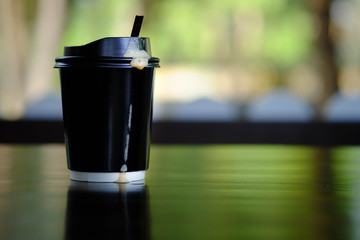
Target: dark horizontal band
point(203, 133)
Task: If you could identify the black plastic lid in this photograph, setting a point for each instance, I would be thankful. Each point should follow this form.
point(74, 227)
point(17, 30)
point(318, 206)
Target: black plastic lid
point(105, 52)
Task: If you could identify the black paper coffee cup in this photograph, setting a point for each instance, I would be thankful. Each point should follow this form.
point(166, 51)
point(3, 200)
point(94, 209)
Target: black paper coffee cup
point(107, 109)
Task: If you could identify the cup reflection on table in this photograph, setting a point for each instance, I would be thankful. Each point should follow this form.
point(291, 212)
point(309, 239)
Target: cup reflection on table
point(107, 210)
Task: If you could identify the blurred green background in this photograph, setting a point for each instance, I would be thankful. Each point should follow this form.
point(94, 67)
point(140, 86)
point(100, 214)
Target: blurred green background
point(230, 52)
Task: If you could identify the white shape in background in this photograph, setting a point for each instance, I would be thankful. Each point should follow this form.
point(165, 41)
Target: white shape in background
point(344, 14)
point(48, 108)
point(342, 108)
point(279, 105)
point(178, 83)
point(202, 109)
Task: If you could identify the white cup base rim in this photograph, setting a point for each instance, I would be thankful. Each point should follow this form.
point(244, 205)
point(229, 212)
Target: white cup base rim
point(121, 177)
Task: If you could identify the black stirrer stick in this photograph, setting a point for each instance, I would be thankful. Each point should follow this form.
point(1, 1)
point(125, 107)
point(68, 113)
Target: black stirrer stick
point(137, 26)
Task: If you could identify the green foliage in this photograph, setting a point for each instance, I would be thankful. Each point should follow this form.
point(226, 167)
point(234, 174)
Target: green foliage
point(205, 31)
point(202, 31)
point(89, 20)
point(288, 38)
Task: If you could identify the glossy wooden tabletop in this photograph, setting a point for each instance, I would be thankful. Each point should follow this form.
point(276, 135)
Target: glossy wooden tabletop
point(190, 192)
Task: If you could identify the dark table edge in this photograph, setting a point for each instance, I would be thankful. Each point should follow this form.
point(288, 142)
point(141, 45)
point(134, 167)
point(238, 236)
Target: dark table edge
point(42, 131)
